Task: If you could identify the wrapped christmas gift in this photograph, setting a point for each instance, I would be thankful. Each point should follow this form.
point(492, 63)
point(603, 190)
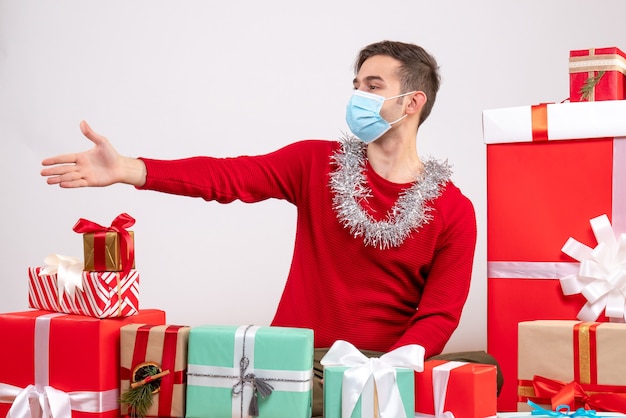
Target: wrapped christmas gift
point(108, 248)
point(153, 369)
point(242, 371)
point(466, 390)
point(356, 386)
point(54, 364)
point(597, 74)
point(63, 286)
point(572, 363)
point(550, 170)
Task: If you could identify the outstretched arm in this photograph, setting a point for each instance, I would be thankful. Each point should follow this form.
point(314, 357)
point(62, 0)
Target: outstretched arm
point(98, 167)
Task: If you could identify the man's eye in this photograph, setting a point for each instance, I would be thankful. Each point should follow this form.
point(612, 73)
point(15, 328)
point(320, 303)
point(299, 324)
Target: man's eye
point(372, 87)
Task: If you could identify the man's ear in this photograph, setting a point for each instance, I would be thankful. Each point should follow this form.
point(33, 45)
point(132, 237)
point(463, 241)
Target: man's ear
point(417, 101)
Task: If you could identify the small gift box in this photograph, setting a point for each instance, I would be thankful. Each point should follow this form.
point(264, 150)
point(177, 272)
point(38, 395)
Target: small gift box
point(66, 364)
point(356, 386)
point(539, 194)
point(108, 248)
point(572, 363)
point(63, 286)
point(597, 74)
point(248, 371)
point(466, 390)
point(147, 351)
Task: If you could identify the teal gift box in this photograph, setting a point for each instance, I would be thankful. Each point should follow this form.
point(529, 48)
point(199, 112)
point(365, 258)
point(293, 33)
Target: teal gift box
point(237, 371)
point(367, 405)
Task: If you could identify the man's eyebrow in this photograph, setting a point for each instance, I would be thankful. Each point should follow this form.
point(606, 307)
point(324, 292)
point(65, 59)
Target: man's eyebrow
point(369, 78)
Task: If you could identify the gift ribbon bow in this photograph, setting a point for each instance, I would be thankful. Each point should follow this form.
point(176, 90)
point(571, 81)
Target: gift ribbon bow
point(601, 278)
point(573, 393)
point(69, 271)
point(560, 411)
point(381, 369)
point(119, 225)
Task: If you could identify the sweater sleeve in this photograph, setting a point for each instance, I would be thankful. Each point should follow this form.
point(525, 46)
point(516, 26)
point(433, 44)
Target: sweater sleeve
point(448, 280)
point(246, 178)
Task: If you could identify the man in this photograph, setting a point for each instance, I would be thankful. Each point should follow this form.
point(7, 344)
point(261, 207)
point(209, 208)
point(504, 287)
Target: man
point(385, 242)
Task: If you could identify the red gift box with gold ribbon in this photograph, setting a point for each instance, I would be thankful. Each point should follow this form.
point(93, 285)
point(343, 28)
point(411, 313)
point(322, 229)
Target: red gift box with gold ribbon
point(574, 363)
point(597, 74)
point(162, 349)
point(550, 169)
point(69, 364)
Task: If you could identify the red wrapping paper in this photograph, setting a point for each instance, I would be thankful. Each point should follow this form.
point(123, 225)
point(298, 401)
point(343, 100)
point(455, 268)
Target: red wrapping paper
point(471, 390)
point(538, 195)
point(82, 354)
point(587, 63)
point(104, 294)
point(165, 346)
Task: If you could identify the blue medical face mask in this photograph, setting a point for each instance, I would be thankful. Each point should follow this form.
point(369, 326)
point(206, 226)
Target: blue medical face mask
point(363, 115)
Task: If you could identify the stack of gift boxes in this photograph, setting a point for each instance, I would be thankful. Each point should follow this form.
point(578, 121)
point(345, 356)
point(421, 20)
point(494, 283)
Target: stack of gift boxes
point(86, 349)
point(556, 249)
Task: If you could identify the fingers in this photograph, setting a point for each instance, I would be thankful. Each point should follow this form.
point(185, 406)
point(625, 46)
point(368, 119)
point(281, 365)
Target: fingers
point(90, 133)
point(66, 179)
point(60, 159)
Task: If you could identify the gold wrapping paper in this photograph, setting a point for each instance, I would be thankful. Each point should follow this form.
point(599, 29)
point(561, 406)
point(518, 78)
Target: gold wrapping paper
point(112, 255)
point(546, 348)
point(154, 352)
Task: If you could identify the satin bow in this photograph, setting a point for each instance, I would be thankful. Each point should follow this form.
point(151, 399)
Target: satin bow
point(573, 394)
point(31, 402)
point(69, 271)
point(601, 278)
point(119, 225)
point(381, 369)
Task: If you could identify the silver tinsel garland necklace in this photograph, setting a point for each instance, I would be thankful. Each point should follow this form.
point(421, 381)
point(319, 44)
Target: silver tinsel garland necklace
point(410, 212)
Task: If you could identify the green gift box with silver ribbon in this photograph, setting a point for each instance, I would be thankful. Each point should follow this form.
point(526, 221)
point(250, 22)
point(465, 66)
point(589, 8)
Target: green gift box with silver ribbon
point(245, 371)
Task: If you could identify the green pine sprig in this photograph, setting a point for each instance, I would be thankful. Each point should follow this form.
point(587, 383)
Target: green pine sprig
point(139, 400)
point(590, 83)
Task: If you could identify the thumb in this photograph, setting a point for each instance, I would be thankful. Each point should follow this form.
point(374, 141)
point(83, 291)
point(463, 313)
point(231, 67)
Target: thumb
point(91, 134)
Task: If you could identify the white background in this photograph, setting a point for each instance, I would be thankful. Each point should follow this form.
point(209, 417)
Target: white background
point(170, 79)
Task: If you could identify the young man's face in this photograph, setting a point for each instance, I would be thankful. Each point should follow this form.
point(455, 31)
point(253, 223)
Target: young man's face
point(378, 75)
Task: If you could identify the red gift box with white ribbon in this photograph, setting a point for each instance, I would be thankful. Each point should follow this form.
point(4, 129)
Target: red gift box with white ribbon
point(62, 365)
point(551, 168)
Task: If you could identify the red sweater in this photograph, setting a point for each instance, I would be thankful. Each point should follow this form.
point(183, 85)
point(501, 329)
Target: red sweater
point(376, 299)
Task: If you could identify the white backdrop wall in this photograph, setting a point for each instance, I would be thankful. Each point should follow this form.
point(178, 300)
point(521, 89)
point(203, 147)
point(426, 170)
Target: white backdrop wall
point(169, 79)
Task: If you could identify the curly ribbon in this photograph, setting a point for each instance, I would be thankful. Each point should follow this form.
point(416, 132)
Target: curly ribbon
point(382, 369)
point(40, 400)
point(69, 271)
point(573, 394)
point(601, 278)
point(560, 411)
point(119, 225)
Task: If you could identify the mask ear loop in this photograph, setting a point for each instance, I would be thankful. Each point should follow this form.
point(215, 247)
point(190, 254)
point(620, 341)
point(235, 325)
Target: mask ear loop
point(397, 120)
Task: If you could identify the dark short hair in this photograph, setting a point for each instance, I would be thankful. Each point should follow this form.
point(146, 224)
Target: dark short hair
point(418, 69)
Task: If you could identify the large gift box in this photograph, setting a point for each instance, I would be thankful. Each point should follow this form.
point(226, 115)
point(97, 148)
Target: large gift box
point(466, 390)
point(108, 248)
point(597, 74)
point(573, 363)
point(59, 361)
point(237, 371)
point(98, 294)
point(155, 350)
point(550, 169)
point(356, 386)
